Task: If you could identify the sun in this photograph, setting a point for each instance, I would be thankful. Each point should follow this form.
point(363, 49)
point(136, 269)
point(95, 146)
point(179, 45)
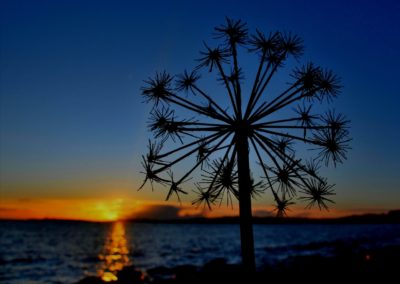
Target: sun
point(109, 211)
point(109, 215)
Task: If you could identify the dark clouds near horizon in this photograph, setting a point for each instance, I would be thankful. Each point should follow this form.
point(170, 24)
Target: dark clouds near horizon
point(158, 212)
point(171, 212)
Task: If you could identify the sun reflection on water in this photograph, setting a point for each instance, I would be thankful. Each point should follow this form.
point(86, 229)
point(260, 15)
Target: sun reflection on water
point(115, 253)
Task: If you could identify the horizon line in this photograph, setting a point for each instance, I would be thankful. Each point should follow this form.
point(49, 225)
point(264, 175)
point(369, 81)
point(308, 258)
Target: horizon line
point(389, 213)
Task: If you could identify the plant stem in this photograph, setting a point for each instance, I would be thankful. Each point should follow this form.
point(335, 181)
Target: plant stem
point(246, 226)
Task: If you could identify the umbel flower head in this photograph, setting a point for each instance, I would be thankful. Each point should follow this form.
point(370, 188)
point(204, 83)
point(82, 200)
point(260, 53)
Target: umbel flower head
point(215, 130)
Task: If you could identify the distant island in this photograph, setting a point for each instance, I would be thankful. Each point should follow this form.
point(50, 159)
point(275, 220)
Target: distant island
point(392, 217)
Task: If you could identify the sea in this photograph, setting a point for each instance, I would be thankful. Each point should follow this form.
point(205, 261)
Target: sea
point(34, 252)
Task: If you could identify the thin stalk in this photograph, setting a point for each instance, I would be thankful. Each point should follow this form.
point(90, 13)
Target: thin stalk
point(187, 145)
point(186, 155)
point(301, 166)
point(294, 162)
point(284, 93)
point(262, 111)
point(219, 169)
point(238, 90)
point(211, 128)
point(201, 123)
point(282, 105)
point(199, 111)
point(215, 148)
point(266, 83)
point(212, 102)
point(289, 136)
point(195, 107)
point(221, 71)
point(267, 151)
point(255, 85)
point(263, 168)
point(277, 121)
point(294, 127)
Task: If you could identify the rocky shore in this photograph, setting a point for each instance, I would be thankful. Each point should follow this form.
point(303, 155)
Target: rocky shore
point(364, 266)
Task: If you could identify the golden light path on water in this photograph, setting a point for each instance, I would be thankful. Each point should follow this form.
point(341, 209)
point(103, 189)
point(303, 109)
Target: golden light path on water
point(115, 253)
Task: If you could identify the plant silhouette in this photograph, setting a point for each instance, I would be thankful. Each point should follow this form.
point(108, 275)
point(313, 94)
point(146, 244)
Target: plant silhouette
point(268, 125)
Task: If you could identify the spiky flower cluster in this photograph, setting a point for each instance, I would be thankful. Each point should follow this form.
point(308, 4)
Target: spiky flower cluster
point(212, 133)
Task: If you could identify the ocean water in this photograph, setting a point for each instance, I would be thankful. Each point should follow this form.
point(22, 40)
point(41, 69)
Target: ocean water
point(34, 252)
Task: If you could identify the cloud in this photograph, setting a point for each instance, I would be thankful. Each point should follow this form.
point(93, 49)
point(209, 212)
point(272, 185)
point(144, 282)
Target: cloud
point(303, 214)
point(157, 212)
point(166, 212)
point(263, 213)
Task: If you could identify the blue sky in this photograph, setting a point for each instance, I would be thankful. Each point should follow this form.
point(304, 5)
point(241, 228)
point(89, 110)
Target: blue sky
point(72, 121)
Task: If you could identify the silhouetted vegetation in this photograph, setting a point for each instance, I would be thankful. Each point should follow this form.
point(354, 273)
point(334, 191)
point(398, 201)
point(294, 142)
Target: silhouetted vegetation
point(270, 125)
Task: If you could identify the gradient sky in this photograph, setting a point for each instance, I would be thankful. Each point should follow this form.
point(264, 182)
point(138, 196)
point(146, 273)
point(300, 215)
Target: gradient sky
point(72, 121)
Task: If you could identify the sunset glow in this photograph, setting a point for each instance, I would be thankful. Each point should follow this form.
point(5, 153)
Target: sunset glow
point(105, 210)
point(73, 209)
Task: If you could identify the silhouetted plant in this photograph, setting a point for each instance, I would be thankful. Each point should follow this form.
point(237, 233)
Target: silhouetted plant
point(221, 137)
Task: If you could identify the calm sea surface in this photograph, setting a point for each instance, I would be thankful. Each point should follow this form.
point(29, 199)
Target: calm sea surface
point(65, 252)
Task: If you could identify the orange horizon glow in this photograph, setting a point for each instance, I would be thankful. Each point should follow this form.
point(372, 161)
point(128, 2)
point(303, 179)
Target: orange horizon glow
point(85, 210)
point(114, 209)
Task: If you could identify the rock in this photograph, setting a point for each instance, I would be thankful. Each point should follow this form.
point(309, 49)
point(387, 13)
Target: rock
point(131, 275)
point(91, 280)
point(186, 274)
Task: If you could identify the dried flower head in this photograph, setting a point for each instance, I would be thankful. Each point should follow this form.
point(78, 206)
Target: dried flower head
point(262, 127)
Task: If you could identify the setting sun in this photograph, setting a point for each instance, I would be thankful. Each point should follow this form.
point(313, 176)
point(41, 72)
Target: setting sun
point(110, 216)
point(109, 211)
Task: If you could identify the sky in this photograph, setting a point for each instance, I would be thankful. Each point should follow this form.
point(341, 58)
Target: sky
point(73, 122)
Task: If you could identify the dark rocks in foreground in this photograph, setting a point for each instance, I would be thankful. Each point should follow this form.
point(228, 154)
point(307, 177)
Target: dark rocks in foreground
point(91, 280)
point(375, 266)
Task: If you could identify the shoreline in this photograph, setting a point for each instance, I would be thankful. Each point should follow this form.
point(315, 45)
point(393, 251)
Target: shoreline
point(364, 265)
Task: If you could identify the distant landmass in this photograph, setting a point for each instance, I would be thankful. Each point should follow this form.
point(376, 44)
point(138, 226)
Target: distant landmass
point(392, 217)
